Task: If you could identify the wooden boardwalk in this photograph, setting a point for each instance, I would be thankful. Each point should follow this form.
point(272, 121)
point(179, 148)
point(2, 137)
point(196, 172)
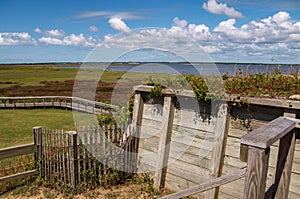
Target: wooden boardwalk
point(72, 103)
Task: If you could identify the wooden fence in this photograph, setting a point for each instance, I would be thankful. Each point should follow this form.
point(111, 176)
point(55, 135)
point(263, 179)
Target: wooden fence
point(99, 155)
point(75, 157)
point(255, 150)
point(73, 103)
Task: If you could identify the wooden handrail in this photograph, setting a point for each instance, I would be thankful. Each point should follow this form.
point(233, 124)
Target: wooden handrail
point(255, 149)
point(266, 135)
point(208, 185)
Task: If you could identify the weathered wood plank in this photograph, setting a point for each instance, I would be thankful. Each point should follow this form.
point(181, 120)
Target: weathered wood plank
point(256, 175)
point(291, 104)
point(284, 165)
point(177, 183)
point(218, 151)
point(266, 135)
point(16, 150)
point(190, 172)
point(164, 143)
point(208, 185)
point(18, 176)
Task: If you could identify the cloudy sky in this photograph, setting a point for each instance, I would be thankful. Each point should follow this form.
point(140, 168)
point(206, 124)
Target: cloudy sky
point(262, 31)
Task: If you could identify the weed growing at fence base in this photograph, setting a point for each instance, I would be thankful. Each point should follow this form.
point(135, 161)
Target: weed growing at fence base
point(136, 188)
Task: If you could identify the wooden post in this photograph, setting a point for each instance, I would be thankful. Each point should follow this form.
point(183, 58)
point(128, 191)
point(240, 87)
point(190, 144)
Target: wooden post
point(164, 143)
point(218, 152)
point(284, 166)
point(257, 169)
point(285, 161)
point(73, 158)
point(37, 134)
point(137, 122)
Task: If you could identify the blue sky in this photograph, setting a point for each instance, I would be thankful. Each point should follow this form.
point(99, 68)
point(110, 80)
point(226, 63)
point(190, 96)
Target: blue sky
point(227, 30)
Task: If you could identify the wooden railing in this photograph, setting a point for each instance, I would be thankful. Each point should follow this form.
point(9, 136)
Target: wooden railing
point(255, 150)
point(73, 103)
point(11, 152)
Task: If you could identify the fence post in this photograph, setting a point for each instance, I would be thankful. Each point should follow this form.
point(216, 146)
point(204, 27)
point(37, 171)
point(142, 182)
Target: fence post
point(164, 143)
point(137, 122)
point(218, 151)
point(37, 135)
point(285, 161)
point(73, 158)
point(257, 169)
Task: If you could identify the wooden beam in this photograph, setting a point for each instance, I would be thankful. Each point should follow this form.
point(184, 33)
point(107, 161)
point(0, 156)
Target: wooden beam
point(282, 103)
point(285, 162)
point(164, 143)
point(217, 159)
point(257, 169)
point(208, 185)
point(266, 135)
point(16, 151)
point(137, 123)
point(18, 176)
point(284, 165)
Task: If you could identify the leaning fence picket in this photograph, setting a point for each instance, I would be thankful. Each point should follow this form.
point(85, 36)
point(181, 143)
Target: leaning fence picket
point(71, 157)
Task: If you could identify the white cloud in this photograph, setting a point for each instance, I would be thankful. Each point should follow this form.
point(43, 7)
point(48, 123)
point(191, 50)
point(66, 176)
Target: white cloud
point(37, 30)
point(253, 41)
point(221, 8)
point(80, 40)
point(93, 28)
point(108, 14)
point(51, 33)
point(16, 38)
point(91, 14)
point(118, 24)
point(179, 23)
point(55, 33)
point(258, 40)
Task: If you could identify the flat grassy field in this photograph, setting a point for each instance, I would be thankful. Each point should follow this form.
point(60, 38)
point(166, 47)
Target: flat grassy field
point(33, 76)
point(16, 125)
point(54, 81)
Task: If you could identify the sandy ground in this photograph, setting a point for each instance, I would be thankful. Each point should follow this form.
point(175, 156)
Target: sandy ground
point(127, 191)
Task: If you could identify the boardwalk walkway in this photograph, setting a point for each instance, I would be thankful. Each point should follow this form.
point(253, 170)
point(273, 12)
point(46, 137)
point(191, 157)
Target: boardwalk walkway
point(72, 103)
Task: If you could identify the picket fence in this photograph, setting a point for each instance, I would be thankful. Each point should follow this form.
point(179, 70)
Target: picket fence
point(105, 154)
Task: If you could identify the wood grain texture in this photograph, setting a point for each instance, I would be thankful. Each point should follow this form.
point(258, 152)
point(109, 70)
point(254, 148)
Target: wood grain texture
point(218, 151)
point(284, 165)
point(208, 185)
point(16, 151)
point(18, 176)
point(256, 175)
point(164, 143)
point(266, 135)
